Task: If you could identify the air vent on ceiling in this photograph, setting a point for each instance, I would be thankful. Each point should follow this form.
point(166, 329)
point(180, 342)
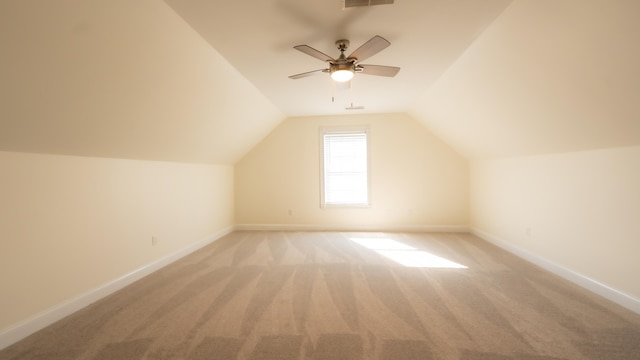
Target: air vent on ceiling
point(355, 3)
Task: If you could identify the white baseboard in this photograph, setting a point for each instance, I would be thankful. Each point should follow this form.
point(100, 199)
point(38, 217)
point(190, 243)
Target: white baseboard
point(31, 325)
point(313, 227)
point(594, 286)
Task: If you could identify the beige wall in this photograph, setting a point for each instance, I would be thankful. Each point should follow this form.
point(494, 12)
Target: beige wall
point(582, 210)
point(417, 180)
point(71, 224)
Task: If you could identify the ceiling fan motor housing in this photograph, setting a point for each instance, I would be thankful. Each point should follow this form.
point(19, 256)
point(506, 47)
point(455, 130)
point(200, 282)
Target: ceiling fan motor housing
point(348, 65)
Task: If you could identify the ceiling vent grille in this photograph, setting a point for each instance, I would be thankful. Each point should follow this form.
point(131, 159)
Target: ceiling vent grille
point(355, 3)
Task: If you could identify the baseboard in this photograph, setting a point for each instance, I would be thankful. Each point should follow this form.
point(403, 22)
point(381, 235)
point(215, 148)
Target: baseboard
point(592, 285)
point(314, 227)
point(51, 315)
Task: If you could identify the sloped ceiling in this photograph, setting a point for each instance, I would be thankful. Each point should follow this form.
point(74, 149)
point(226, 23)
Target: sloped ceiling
point(545, 77)
point(204, 81)
point(122, 79)
point(257, 37)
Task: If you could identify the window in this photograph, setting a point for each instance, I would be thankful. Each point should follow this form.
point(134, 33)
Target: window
point(344, 163)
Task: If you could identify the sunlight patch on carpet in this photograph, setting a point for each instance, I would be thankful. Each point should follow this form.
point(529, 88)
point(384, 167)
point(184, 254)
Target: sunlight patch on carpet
point(406, 255)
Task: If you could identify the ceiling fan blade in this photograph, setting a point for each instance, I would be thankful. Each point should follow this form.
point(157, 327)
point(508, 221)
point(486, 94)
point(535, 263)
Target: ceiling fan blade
point(308, 73)
point(379, 70)
point(313, 52)
point(370, 48)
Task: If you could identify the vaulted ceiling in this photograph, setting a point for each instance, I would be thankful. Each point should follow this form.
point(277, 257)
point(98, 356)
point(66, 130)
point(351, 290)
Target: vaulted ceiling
point(204, 81)
point(545, 77)
point(121, 79)
point(257, 37)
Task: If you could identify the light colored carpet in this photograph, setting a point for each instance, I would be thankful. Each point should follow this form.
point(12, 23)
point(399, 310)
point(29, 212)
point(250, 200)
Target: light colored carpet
point(322, 295)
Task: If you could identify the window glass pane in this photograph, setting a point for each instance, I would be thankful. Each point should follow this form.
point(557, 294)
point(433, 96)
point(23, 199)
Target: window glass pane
point(345, 168)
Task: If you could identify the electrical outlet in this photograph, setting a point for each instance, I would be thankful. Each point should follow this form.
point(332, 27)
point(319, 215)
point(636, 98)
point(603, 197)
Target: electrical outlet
point(154, 241)
point(290, 212)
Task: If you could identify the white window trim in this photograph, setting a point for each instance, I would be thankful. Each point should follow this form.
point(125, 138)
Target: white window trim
point(344, 130)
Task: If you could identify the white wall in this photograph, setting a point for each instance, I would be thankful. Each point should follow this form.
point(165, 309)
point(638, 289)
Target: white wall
point(71, 224)
point(582, 210)
point(417, 180)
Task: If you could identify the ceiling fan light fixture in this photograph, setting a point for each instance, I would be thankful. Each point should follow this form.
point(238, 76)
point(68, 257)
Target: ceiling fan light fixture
point(342, 75)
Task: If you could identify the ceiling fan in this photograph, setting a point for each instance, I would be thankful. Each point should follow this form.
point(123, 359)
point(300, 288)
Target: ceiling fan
point(344, 67)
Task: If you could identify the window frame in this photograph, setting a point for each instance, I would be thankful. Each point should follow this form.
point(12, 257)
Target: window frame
point(361, 129)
